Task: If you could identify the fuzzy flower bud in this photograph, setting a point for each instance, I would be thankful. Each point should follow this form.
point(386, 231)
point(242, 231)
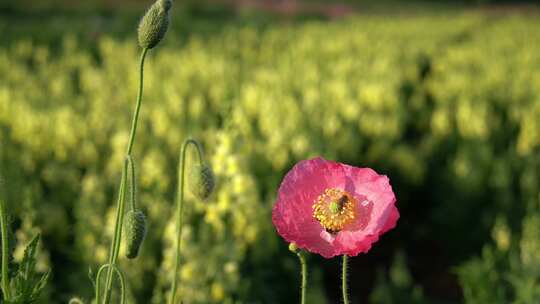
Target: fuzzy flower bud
point(154, 24)
point(202, 181)
point(135, 225)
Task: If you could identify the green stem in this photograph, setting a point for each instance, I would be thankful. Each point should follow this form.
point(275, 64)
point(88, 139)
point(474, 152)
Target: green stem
point(133, 188)
point(120, 277)
point(115, 244)
point(138, 104)
point(5, 250)
point(344, 280)
point(179, 209)
point(303, 263)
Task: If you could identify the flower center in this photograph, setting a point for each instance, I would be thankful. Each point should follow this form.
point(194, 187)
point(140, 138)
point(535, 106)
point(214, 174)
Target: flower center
point(334, 209)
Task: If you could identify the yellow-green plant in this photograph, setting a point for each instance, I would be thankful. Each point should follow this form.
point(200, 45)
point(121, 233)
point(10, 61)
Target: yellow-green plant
point(467, 133)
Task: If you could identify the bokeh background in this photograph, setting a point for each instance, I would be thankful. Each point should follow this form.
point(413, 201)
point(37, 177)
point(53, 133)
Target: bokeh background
point(442, 96)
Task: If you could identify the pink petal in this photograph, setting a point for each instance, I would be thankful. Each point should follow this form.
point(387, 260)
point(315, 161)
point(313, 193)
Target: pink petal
point(292, 214)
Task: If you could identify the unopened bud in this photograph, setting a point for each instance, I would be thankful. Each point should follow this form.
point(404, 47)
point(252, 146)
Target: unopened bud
point(202, 181)
point(154, 24)
point(135, 232)
point(293, 247)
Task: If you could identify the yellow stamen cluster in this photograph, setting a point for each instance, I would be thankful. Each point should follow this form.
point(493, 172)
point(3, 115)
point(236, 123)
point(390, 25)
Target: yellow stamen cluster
point(334, 209)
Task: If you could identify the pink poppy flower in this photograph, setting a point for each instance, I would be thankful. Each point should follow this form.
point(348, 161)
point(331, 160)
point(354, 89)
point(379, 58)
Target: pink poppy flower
point(333, 209)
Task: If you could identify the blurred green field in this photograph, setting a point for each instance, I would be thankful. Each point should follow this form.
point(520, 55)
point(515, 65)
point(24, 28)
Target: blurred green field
point(446, 103)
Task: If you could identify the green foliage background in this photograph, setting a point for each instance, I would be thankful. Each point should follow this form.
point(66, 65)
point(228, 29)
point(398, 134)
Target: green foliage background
point(447, 105)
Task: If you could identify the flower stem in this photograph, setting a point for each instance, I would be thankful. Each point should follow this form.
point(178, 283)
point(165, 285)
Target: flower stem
point(131, 184)
point(120, 277)
point(303, 263)
point(5, 250)
point(344, 280)
point(138, 104)
point(115, 244)
point(179, 209)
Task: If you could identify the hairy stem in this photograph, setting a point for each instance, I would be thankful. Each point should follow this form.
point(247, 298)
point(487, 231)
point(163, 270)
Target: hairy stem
point(303, 263)
point(344, 279)
point(115, 244)
point(5, 249)
point(132, 185)
point(179, 209)
point(138, 104)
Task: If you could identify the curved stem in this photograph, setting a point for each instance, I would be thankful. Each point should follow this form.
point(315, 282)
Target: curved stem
point(120, 277)
point(179, 208)
point(138, 104)
point(5, 250)
point(303, 263)
point(344, 279)
point(115, 244)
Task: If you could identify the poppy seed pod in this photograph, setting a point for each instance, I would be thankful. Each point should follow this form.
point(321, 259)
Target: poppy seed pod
point(135, 225)
point(154, 24)
point(202, 181)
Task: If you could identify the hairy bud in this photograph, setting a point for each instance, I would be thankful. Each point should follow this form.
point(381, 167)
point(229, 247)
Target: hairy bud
point(135, 225)
point(154, 24)
point(202, 181)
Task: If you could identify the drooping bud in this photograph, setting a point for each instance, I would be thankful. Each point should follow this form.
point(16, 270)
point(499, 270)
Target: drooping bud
point(135, 225)
point(202, 181)
point(293, 248)
point(154, 24)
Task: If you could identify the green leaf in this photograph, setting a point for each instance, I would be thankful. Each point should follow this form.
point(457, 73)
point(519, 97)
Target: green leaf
point(27, 284)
